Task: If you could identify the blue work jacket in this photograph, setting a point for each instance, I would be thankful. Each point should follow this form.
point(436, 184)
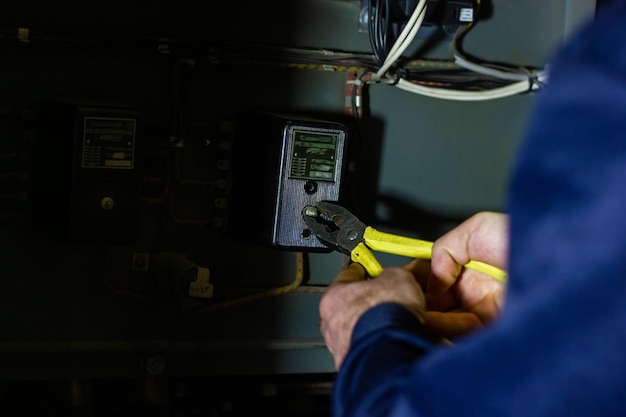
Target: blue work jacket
point(559, 346)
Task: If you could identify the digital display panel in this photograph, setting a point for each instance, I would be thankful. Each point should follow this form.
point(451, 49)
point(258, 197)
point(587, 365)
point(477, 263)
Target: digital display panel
point(314, 155)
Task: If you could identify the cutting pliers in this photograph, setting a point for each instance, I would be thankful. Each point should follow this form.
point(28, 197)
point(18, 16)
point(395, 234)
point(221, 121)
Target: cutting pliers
point(339, 229)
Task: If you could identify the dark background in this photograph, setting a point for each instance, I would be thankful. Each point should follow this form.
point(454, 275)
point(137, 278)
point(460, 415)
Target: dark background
point(103, 328)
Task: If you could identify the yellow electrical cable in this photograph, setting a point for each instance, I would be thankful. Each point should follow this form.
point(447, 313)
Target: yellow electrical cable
point(411, 248)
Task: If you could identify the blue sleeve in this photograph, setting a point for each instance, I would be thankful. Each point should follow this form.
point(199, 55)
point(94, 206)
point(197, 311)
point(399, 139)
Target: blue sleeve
point(385, 331)
point(558, 347)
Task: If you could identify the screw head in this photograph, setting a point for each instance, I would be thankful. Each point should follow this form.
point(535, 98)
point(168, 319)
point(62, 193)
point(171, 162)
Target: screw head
point(153, 365)
point(311, 211)
point(107, 203)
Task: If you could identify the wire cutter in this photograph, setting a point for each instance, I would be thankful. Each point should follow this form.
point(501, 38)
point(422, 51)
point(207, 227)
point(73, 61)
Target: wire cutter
point(339, 229)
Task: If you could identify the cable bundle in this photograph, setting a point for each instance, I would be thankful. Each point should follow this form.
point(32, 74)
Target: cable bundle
point(460, 79)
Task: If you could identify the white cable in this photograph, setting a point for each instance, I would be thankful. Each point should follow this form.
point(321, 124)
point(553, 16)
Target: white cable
point(404, 39)
point(491, 72)
point(396, 53)
point(463, 62)
point(522, 82)
point(462, 95)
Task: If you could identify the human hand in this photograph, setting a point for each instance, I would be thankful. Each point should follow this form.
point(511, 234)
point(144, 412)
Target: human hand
point(460, 300)
point(350, 295)
point(449, 299)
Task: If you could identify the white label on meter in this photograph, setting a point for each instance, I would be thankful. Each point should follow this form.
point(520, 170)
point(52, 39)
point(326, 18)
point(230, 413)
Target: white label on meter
point(108, 142)
point(466, 15)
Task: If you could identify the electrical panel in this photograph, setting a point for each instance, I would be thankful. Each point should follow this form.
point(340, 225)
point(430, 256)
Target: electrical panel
point(281, 164)
point(88, 183)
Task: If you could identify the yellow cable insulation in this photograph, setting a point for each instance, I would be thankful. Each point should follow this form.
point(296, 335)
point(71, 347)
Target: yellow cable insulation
point(418, 249)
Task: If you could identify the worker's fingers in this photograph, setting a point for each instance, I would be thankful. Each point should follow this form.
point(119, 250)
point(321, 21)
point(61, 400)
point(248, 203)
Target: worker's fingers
point(352, 273)
point(451, 324)
point(420, 269)
point(444, 273)
point(488, 308)
point(446, 301)
point(483, 237)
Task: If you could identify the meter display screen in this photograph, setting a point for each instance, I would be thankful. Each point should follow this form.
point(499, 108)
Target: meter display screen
point(314, 155)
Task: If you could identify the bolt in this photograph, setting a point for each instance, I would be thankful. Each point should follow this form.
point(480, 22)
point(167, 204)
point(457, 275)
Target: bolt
point(107, 203)
point(311, 211)
point(310, 187)
point(352, 234)
point(153, 365)
point(141, 262)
